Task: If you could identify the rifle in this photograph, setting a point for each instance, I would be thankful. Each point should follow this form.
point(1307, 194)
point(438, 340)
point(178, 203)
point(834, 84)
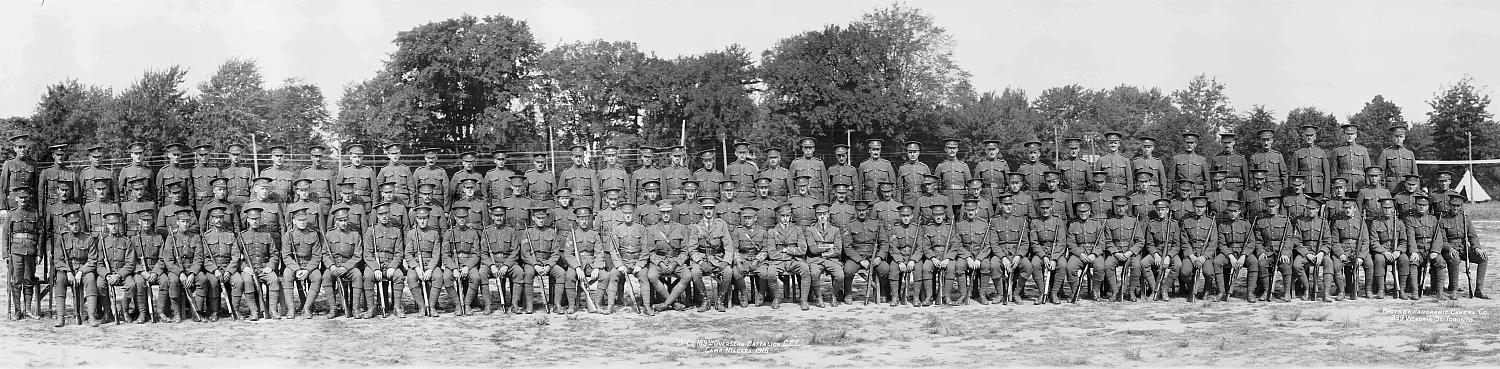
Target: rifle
point(1274, 264)
point(1166, 268)
point(78, 301)
point(115, 306)
point(422, 283)
point(338, 290)
point(150, 293)
point(546, 285)
point(583, 285)
point(870, 282)
point(254, 279)
point(177, 258)
point(630, 288)
point(379, 284)
point(1467, 248)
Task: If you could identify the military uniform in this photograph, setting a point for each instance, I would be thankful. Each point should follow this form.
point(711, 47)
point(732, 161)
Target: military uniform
point(281, 176)
point(1123, 243)
point(1047, 251)
point(842, 173)
point(1387, 247)
point(1312, 232)
point(901, 251)
point(785, 247)
point(1117, 167)
point(712, 244)
point(953, 175)
point(751, 245)
point(237, 177)
point(302, 253)
point(1274, 164)
point(257, 262)
point(24, 236)
point(322, 178)
point(582, 180)
point(647, 172)
point(499, 254)
point(497, 180)
point(862, 239)
point(781, 178)
point(95, 171)
point(1312, 162)
point(384, 246)
point(397, 173)
point(1351, 249)
point(433, 175)
point(1085, 241)
point(938, 238)
point(462, 248)
point(913, 175)
point(1422, 232)
point(673, 175)
point(1461, 244)
point(218, 254)
point(1234, 166)
point(1234, 252)
point(1351, 159)
point(18, 172)
point(72, 266)
point(1192, 167)
point(118, 259)
point(1199, 241)
point(816, 171)
point(425, 271)
point(1009, 240)
point(1159, 246)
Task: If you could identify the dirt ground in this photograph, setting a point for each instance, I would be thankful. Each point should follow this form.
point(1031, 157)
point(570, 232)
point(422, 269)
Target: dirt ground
point(1364, 333)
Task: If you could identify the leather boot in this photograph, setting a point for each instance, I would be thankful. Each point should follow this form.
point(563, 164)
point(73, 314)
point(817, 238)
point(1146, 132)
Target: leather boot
point(1479, 282)
point(1251, 279)
point(460, 300)
point(772, 289)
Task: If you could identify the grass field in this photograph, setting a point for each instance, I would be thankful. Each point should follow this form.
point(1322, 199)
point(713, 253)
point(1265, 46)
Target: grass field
point(1364, 332)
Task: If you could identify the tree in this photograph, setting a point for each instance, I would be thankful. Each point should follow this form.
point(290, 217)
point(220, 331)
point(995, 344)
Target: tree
point(1327, 124)
point(835, 79)
point(1130, 111)
point(69, 112)
point(295, 109)
point(710, 92)
point(590, 91)
point(1247, 133)
point(921, 55)
point(1458, 111)
point(1375, 121)
point(155, 110)
point(1204, 104)
point(232, 105)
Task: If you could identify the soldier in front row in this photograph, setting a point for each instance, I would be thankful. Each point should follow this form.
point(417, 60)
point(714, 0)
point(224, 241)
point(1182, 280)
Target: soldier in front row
point(1462, 247)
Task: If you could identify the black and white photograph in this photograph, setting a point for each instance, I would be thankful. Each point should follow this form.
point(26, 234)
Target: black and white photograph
point(756, 184)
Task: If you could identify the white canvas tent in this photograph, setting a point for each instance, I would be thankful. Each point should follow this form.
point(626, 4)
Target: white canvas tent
point(1468, 186)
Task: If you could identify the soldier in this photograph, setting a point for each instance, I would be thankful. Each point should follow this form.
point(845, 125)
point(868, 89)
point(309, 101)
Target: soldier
point(257, 261)
point(952, 173)
point(1368, 195)
point(1025, 204)
point(148, 245)
point(437, 214)
point(345, 255)
point(813, 167)
point(630, 255)
point(217, 253)
point(712, 255)
point(588, 261)
point(60, 202)
point(611, 215)
point(902, 254)
point(260, 198)
point(1159, 247)
point(992, 170)
point(358, 212)
point(322, 178)
point(1276, 238)
point(783, 242)
point(462, 245)
point(688, 211)
point(675, 173)
point(423, 258)
point(708, 176)
point(396, 172)
point(1199, 243)
point(134, 202)
point(825, 243)
point(1182, 199)
point(1145, 160)
point(750, 246)
point(1123, 241)
point(1099, 195)
point(384, 247)
point(742, 170)
point(72, 267)
point(1234, 252)
point(1406, 199)
point(1006, 267)
point(581, 179)
point(1117, 167)
point(1295, 200)
point(1074, 170)
point(861, 243)
point(1231, 163)
point(1033, 169)
point(803, 201)
point(560, 210)
point(1442, 190)
point(1312, 161)
point(874, 170)
point(55, 177)
point(1338, 195)
point(1312, 231)
point(651, 201)
point(647, 172)
point(499, 253)
point(1047, 232)
point(1189, 165)
point(281, 176)
point(218, 196)
point(614, 176)
point(1387, 247)
point(238, 175)
point(1351, 158)
point(970, 253)
point(729, 208)
point(887, 210)
point(913, 173)
point(667, 241)
point(1085, 241)
point(540, 179)
point(468, 192)
point(181, 266)
point(938, 237)
point(929, 197)
point(136, 170)
point(95, 171)
point(781, 178)
point(1424, 250)
point(432, 174)
point(1219, 194)
point(120, 265)
point(1143, 197)
point(840, 211)
point(497, 179)
point(466, 171)
point(1462, 247)
point(203, 173)
point(844, 173)
point(764, 203)
point(1256, 192)
point(304, 200)
point(516, 203)
point(24, 231)
point(302, 249)
point(1352, 250)
point(356, 172)
point(1052, 191)
point(1270, 161)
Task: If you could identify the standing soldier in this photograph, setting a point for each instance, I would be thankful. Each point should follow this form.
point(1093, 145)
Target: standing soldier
point(1033, 169)
point(1199, 241)
point(281, 176)
point(1351, 158)
point(1235, 251)
point(461, 258)
point(888, 208)
point(498, 254)
point(610, 215)
point(1182, 199)
point(1312, 161)
point(322, 178)
point(813, 168)
point(802, 202)
point(874, 171)
point(614, 176)
point(1122, 240)
point(467, 192)
point(708, 176)
point(203, 174)
point(781, 179)
point(930, 197)
point(844, 173)
point(1370, 193)
point(1189, 165)
point(993, 170)
point(1296, 197)
point(516, 203)
point(423, 257)
point(1100, 194)
point(497, 179)
point(1219, 195)
point(971, 252)
point(430, 174)
point(540, 180)
point(466, 171)
point(358, 210)
point(59, 175)
point(1159, 247)
point(238, 175)
point(1145, 160)
point(742, 170)
point(1231, 163)
point(214, 255)
point(95, 171)
point(1269, 160)
point(302, 250)
point(257, 261)
point(688, 211)
point(71, 262)
point(912, 173)
point(437, 214)
point(384, 247)
point(647, 172)
point(1074, 170)
point(1387, 247)
point(24, 230)
point(396, 172)
point(119, 261)
point(361, 175)
point(172, 172)
point(136, 170)
point(582, 179)
point(1008, 240)
point(729, 209)
point(861, 243)
point(174, 200)
point(1114, 163)
point(1462, 248)
point(134, 202)
point(303, 200)
point(952, 173)
point(218, 196)
point(675, 173)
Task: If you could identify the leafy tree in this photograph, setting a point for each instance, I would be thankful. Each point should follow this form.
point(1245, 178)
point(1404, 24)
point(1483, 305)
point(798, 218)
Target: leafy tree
point(232, 105)
point(1247, 136)
point(921, 55)
point(1130, 111)
point(294, 110)
point(1204, 104)
point(155, 110)
point(590, 89)
point(69, 112)
point(1457, 111)
point(1375, 120)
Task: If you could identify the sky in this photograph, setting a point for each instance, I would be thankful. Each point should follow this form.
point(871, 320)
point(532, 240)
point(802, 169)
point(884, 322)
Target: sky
point(1335, 55)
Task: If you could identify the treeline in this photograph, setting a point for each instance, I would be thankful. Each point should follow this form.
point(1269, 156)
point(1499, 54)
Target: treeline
point(486, 83)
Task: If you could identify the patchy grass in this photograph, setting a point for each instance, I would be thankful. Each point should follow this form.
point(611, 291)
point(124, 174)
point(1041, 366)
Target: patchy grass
point(1484, 211)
